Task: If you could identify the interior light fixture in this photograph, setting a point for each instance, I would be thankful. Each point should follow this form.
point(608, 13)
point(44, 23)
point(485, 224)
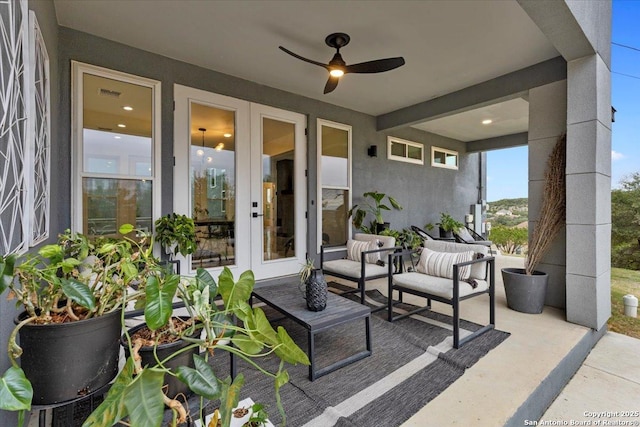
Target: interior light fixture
point(122, 125)
point(209, 159)
point(117, 137)
point(127, 108)
point(200, 151)
point(487, 121)
point(336, 72)
point(219, 147)
point(227, 135)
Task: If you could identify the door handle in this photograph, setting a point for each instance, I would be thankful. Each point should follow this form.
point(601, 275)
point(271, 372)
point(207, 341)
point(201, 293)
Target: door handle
point(256, 214)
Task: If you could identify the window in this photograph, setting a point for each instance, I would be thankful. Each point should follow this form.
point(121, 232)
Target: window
point(443, 158)
point(116, 151)
point(405, 151)
point(334, 178)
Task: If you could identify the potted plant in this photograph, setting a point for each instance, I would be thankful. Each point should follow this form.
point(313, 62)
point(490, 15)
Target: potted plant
point(176, 233)
point(73, 294)
point(526, 288)
point(375, 208)
point(315, 286)
point(137, 393)
point(447, 225)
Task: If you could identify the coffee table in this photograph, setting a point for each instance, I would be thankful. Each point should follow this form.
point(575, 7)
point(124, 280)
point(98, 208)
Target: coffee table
point(286, 299)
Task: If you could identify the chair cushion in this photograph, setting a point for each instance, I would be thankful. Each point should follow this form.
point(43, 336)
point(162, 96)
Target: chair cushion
point(382, 242)
point(437, 285)
point(464, 234)
point(356, 247)
point(440, 264)
point(478, 270)
point(351, 269)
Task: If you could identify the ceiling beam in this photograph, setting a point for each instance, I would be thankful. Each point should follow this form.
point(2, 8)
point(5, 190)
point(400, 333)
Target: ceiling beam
point(501, 88)
point(498, 142)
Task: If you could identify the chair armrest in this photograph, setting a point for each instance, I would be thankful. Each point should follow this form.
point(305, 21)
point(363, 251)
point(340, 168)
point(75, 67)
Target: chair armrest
point(475, 261)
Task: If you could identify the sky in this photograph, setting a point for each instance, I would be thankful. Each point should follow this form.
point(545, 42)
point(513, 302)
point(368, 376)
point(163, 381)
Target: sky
point(507, 169)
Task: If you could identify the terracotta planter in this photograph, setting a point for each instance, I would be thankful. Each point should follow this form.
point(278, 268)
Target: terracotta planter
point(525, 293)
point(65, 361)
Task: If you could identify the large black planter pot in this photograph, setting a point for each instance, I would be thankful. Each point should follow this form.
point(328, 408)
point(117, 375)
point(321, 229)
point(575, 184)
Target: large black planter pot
point(66, 361)
point(525, 293)
point(174, 385)
point(316, 291)
point(381, 227)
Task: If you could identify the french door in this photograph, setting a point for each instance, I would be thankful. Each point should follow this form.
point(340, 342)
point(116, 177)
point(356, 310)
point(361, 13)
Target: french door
point(239, 173)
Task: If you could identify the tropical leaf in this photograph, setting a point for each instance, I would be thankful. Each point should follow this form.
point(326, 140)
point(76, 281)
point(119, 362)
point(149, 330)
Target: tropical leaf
point(143, 399)
point(52, 252)
point(6, 271)
point(15, 390)
point(125, 229)
point(205, 279)
point(201, 380)
point(288, 350)
point(233, 292)
point(78, 292)
point(159, 296)
point(112, 409)
point(247, 344)
point(130, 271)
point(229, 398)
point(261, 328)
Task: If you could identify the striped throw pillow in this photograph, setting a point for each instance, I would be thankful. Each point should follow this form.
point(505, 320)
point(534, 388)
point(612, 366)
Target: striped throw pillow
point(356, 247)
point(440, 264)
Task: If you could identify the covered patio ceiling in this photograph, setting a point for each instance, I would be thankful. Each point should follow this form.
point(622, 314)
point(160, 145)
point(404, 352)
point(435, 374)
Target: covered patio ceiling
point(447, 46)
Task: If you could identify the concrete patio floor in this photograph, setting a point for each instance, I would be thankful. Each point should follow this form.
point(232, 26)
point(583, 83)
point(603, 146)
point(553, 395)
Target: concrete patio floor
point(518, 380)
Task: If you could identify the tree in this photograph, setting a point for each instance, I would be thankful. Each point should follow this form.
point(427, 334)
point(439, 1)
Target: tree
point(625, 223)
point(509, 240)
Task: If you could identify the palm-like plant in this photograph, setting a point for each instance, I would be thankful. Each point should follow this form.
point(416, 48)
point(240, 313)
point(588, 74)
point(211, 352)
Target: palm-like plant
point(375, 207)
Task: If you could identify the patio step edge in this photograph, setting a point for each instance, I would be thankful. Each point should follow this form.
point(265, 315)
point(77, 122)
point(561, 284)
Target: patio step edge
point(548, 390)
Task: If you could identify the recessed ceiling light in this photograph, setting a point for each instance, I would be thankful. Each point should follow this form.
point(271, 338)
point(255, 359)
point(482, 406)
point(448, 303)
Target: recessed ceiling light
point(219, 147)
point(117, 137)
point(121, 125)
point(200, 152)
point(227, 135)
point(127, 108)
point(487, 121)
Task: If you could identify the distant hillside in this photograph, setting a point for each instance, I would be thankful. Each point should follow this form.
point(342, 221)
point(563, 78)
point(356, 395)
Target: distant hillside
point(509, 204)
point(508, 212)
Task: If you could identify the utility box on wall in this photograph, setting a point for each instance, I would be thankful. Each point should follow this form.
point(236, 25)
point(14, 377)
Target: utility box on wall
point(478, 212)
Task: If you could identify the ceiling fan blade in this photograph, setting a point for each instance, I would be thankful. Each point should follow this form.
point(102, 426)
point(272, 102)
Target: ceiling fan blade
point(332, 83)
point(377, 66)
point(295, 55)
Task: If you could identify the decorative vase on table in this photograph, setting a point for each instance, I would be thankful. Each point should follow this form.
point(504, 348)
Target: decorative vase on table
point(316, 291)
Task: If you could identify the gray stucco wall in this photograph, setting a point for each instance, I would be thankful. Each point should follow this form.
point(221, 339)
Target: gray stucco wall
point(422, 190)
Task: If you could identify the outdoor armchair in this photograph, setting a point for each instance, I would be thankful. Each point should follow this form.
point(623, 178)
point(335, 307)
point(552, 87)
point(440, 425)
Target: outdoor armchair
point(365, 259)
point(468, 236)
point(449, 273)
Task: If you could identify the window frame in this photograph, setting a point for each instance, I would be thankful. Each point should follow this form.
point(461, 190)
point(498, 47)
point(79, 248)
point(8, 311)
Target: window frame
point(349, 129)
point(445, 151)
point(394, 140)
point(78, 70)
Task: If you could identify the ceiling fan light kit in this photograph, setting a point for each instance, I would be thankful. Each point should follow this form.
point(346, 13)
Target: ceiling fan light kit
point(337, 67)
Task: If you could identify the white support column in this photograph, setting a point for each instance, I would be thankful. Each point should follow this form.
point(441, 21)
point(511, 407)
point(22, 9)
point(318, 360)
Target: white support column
point(588, 191)
point(547, 121)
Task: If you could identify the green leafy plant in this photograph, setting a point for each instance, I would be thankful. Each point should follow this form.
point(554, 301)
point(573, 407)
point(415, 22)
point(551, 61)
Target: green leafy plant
point(176, 233)
point(375, 207)
point(74, 279)
point(448, 223)
point(137, 391)
point(306, 270)
point(258, 416)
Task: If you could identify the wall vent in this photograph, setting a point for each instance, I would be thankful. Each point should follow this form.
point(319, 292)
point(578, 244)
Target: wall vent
point(110, 93)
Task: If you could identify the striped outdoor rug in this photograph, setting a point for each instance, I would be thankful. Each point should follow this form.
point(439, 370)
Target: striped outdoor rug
point(412, 362)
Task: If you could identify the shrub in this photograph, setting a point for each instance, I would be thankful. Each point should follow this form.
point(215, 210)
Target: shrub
point(508, 239)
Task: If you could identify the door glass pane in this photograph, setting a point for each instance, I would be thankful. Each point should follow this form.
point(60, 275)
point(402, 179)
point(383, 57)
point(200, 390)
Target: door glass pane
point(110, 203)
point(213, 165)
point(334, 216)
point(278, 203)
point(335, 157)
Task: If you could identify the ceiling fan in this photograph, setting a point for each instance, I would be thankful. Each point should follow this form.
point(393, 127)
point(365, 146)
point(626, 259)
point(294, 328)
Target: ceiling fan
point(337, 67)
